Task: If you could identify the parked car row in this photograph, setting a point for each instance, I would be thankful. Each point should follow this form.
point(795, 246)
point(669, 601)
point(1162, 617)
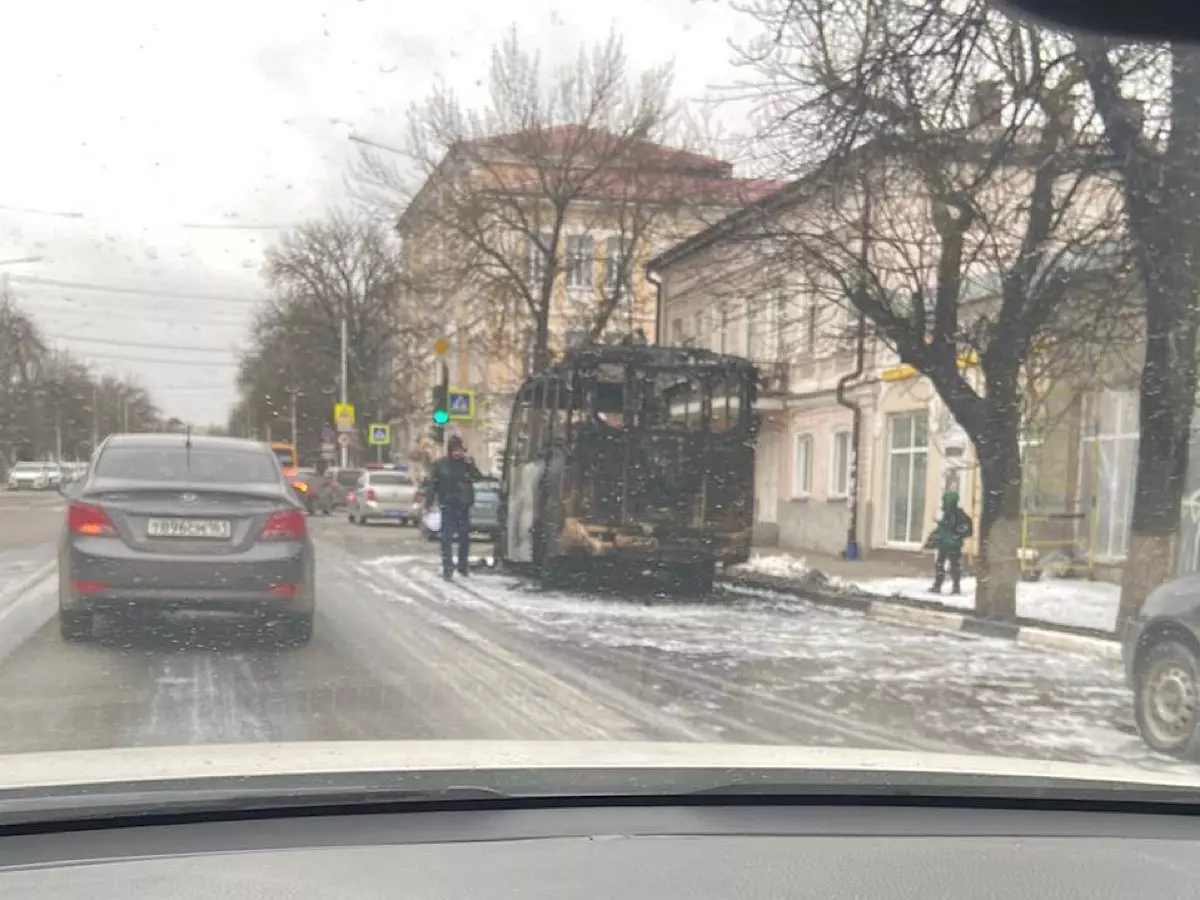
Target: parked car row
point(44, 475)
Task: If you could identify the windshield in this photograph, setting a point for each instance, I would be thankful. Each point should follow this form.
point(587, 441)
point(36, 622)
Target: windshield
point(816, 374)
point(175, 464)
point(388, 478)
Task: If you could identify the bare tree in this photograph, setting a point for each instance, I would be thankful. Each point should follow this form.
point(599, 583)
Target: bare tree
point(956, 203)
point(1149, 101)
point(511, 195)
point(321, 274)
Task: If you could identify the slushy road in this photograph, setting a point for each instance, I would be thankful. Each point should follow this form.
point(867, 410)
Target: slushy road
point(400, 654)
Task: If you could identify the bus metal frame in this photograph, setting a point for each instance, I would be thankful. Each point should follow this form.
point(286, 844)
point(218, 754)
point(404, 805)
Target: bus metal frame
point(648, 483)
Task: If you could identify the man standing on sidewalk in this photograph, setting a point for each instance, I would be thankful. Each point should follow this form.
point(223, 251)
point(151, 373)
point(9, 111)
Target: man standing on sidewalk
point(451, 486)
point(954, 527)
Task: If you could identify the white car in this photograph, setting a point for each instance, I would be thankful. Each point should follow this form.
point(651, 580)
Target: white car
point(37, 476)
point(383, 495)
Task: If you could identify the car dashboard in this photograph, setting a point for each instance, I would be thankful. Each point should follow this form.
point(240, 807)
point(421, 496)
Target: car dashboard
point(634, 852)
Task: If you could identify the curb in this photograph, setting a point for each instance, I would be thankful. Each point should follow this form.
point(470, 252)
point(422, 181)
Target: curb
point(940, 617)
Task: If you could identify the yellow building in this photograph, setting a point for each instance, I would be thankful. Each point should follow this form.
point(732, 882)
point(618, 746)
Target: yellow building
point(566, 215)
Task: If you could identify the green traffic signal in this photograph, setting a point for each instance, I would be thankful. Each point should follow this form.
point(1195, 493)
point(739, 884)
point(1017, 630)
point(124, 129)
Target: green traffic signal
point(440, 417)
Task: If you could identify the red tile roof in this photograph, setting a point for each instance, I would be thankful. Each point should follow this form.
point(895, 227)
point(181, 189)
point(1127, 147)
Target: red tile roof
point(561, 139)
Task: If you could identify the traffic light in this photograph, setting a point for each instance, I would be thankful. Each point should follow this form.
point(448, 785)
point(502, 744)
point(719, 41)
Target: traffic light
point(441, 407)
point(441, 415)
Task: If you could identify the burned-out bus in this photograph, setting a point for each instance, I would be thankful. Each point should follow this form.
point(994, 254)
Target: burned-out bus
point(632, 454)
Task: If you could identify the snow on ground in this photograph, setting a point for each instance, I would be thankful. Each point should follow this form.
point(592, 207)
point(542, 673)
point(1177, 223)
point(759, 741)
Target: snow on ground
point(1061, 601)
point(777, 566)
point(979, 694)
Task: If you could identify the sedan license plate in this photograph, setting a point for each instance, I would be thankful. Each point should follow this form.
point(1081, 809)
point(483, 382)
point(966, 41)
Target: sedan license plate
point(211, 529)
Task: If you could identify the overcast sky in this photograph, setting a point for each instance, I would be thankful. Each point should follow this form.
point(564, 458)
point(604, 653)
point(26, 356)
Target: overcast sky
point(152, 150)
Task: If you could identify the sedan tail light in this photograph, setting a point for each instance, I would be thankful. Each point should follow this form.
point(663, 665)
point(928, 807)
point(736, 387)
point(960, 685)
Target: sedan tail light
point(370, 496)
point(349, 496)
point(85, 519)
point(285, 525)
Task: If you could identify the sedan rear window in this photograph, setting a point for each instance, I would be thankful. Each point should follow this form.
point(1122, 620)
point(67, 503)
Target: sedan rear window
point(389, 478)
point(176, 464)
point(348, 477)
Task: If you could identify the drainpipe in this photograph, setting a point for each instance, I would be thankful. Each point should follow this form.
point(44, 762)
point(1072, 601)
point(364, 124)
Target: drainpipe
point(653, 277)
point(851, 551)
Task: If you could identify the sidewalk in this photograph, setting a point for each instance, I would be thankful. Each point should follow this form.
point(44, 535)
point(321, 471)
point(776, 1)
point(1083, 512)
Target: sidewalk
point(1070, 602)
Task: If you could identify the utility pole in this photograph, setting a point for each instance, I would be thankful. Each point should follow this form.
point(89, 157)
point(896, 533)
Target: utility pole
point(345, 454)
point(295, 443)
point(95, 417)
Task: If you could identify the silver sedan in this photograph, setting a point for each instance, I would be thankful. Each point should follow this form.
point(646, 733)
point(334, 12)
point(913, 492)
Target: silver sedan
point(168, 522)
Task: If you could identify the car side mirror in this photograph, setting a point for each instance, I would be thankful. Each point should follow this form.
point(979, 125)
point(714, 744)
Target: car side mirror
point(67, 489)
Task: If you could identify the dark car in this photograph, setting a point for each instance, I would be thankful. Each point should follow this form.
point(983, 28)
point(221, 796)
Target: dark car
point(344, 482)
point(169, 522)
point(316, 491)
point(1161, 651)
point(485, 511)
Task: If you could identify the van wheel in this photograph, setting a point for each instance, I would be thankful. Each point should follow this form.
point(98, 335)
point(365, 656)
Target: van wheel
point(1165, 702)
point(76, 627)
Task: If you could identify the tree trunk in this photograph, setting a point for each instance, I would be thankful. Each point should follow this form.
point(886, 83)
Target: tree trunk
point(541, 347)
point(999, 568)
point(1167, 398)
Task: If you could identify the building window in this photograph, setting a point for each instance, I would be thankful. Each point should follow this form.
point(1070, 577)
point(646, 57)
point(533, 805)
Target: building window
point(810, 329)
point(1110, 447)
point(908, 440)
point(677, 335)
point(698, 328)
point(615, 252)
point(802, 474)
point(535, 258)
point(579, 261)
point(839, 465)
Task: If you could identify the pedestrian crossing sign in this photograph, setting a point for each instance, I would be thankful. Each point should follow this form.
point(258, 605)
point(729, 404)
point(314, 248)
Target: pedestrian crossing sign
point(379, 433)
point(460, 403)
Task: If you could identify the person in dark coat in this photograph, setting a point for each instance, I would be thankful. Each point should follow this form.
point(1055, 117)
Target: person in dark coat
point(954, 527)
point(451, 485)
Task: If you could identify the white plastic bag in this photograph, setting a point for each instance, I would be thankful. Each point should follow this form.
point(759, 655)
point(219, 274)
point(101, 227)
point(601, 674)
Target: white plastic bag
point(433, 520)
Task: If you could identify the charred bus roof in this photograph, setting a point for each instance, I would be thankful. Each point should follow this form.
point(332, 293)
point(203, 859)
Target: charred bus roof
point(653, 357)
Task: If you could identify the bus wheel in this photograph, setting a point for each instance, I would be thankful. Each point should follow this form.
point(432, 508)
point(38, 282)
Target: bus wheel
point(696, 579)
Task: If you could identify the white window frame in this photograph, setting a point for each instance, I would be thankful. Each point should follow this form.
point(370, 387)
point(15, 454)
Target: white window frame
point(537, 258)
point(839, 491)
point(914, 540)
point(616, 248)
point(802, 476)
point(678, 332)
point(580, 262)
point(1117, 532)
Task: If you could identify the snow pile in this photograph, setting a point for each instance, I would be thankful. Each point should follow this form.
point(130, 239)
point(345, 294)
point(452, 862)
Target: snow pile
point(777, 566)
point(793, 569)
point(1058, 601)
point(1083, 604)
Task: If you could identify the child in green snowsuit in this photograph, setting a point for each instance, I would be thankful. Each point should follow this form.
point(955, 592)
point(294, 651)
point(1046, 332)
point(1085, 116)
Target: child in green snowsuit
point(954, 527)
